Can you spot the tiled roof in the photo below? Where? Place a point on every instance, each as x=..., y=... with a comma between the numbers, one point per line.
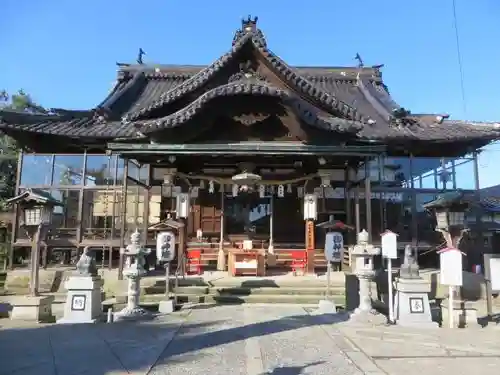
x=341, y=99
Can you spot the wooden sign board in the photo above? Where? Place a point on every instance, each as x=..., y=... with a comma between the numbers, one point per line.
x=310, y=235
x=334, y=246
x=492, y=271
x=389, y=245
x=450, y=260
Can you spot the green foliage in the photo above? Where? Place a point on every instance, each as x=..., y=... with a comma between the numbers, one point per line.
x=9, y=149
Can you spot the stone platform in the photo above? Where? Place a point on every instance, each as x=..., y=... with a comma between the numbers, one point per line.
x=244, y=340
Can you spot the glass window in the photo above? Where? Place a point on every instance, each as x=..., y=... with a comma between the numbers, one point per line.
x=100, y=170
x=426, y=222
x=65, y=218
x=139, y=173
x=135, y=204
x=120, y=172
x=68, y=170
x=397, y=215
x=464, y=177
x=427, y=173
x=36, y=170
x=395, y=172
x=98, y=212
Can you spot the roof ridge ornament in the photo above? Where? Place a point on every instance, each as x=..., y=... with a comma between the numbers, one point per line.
x=360, y=60
x=139, y=56
x=247, y=71
x=249, y=26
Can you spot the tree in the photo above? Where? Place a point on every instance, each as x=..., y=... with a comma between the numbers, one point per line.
x=9, y=149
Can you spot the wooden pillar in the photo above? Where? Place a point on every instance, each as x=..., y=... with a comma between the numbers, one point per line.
x=356, y=210
x=481, y=248
x=17, y=212
x=124, y=219
x=221, y=256
x=368, y=201
x=310, y=245
x=181, y=251
x=414, y=211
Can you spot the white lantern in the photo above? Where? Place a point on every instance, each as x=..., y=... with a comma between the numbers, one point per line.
x=36, y=215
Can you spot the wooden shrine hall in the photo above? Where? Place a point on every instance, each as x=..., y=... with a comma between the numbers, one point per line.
x=240, y=143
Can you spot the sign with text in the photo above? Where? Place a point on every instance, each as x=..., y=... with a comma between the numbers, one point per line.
x=389, y=245
x=334, y=246
x=165, y=246
x=450, y=266
x=310, y=235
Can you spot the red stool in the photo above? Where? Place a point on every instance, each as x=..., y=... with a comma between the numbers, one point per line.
x=299, y=261
x=193, y=266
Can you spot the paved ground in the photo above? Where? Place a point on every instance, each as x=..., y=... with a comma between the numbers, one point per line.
x=247, y=340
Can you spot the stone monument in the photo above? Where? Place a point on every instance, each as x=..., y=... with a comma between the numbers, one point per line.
x=411, y=305
x=84, y=298
x=135, y=261
x=362, y=259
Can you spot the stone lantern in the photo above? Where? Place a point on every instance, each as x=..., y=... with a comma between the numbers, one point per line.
x=449, y=209
x=134, y=271
x=36, y=208
x=362, y=255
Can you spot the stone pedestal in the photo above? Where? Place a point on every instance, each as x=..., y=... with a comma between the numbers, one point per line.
x=411, y=305
x=365, y=295
x=35, y=309
x=83, y=300
x=166, y=307
x=325, y=306
x=464, y=314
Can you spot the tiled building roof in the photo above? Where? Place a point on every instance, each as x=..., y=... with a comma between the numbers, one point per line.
x=147, y=99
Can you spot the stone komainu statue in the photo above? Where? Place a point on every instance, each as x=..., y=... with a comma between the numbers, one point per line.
x=86, y=266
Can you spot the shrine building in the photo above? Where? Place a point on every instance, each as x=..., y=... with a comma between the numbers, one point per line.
x=244, y=140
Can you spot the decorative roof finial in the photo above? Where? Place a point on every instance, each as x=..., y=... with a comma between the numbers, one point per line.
x=360, y=60
x=139, y=56
x=249, y=25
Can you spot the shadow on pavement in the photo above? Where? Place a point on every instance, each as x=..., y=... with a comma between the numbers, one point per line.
x=291, y=370
x=101, y=349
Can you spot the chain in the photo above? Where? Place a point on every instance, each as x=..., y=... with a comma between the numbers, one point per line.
x=106, y=206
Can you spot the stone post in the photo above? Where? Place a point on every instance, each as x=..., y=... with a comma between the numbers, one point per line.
x=411, y=306
x=135, y=254
x=84, y=298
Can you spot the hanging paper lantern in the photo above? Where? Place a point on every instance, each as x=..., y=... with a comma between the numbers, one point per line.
x=281, y=191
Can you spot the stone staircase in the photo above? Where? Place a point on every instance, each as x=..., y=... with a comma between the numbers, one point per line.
x=237, y=291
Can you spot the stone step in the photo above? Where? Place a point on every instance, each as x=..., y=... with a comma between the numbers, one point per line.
x=294, y=291
x=152, y=299
x=195, y=290
x=159, y=289
x=293, y=282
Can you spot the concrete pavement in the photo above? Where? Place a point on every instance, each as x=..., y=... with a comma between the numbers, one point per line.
x=247, y=340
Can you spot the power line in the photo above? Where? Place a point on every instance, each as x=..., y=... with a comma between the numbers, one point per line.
x=459, y=55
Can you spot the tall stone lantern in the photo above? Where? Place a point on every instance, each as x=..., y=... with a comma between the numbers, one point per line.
x=36, y=208
x=362, y=261
x=134, y=271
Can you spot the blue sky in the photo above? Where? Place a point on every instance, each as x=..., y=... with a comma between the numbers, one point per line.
x=63, y=52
